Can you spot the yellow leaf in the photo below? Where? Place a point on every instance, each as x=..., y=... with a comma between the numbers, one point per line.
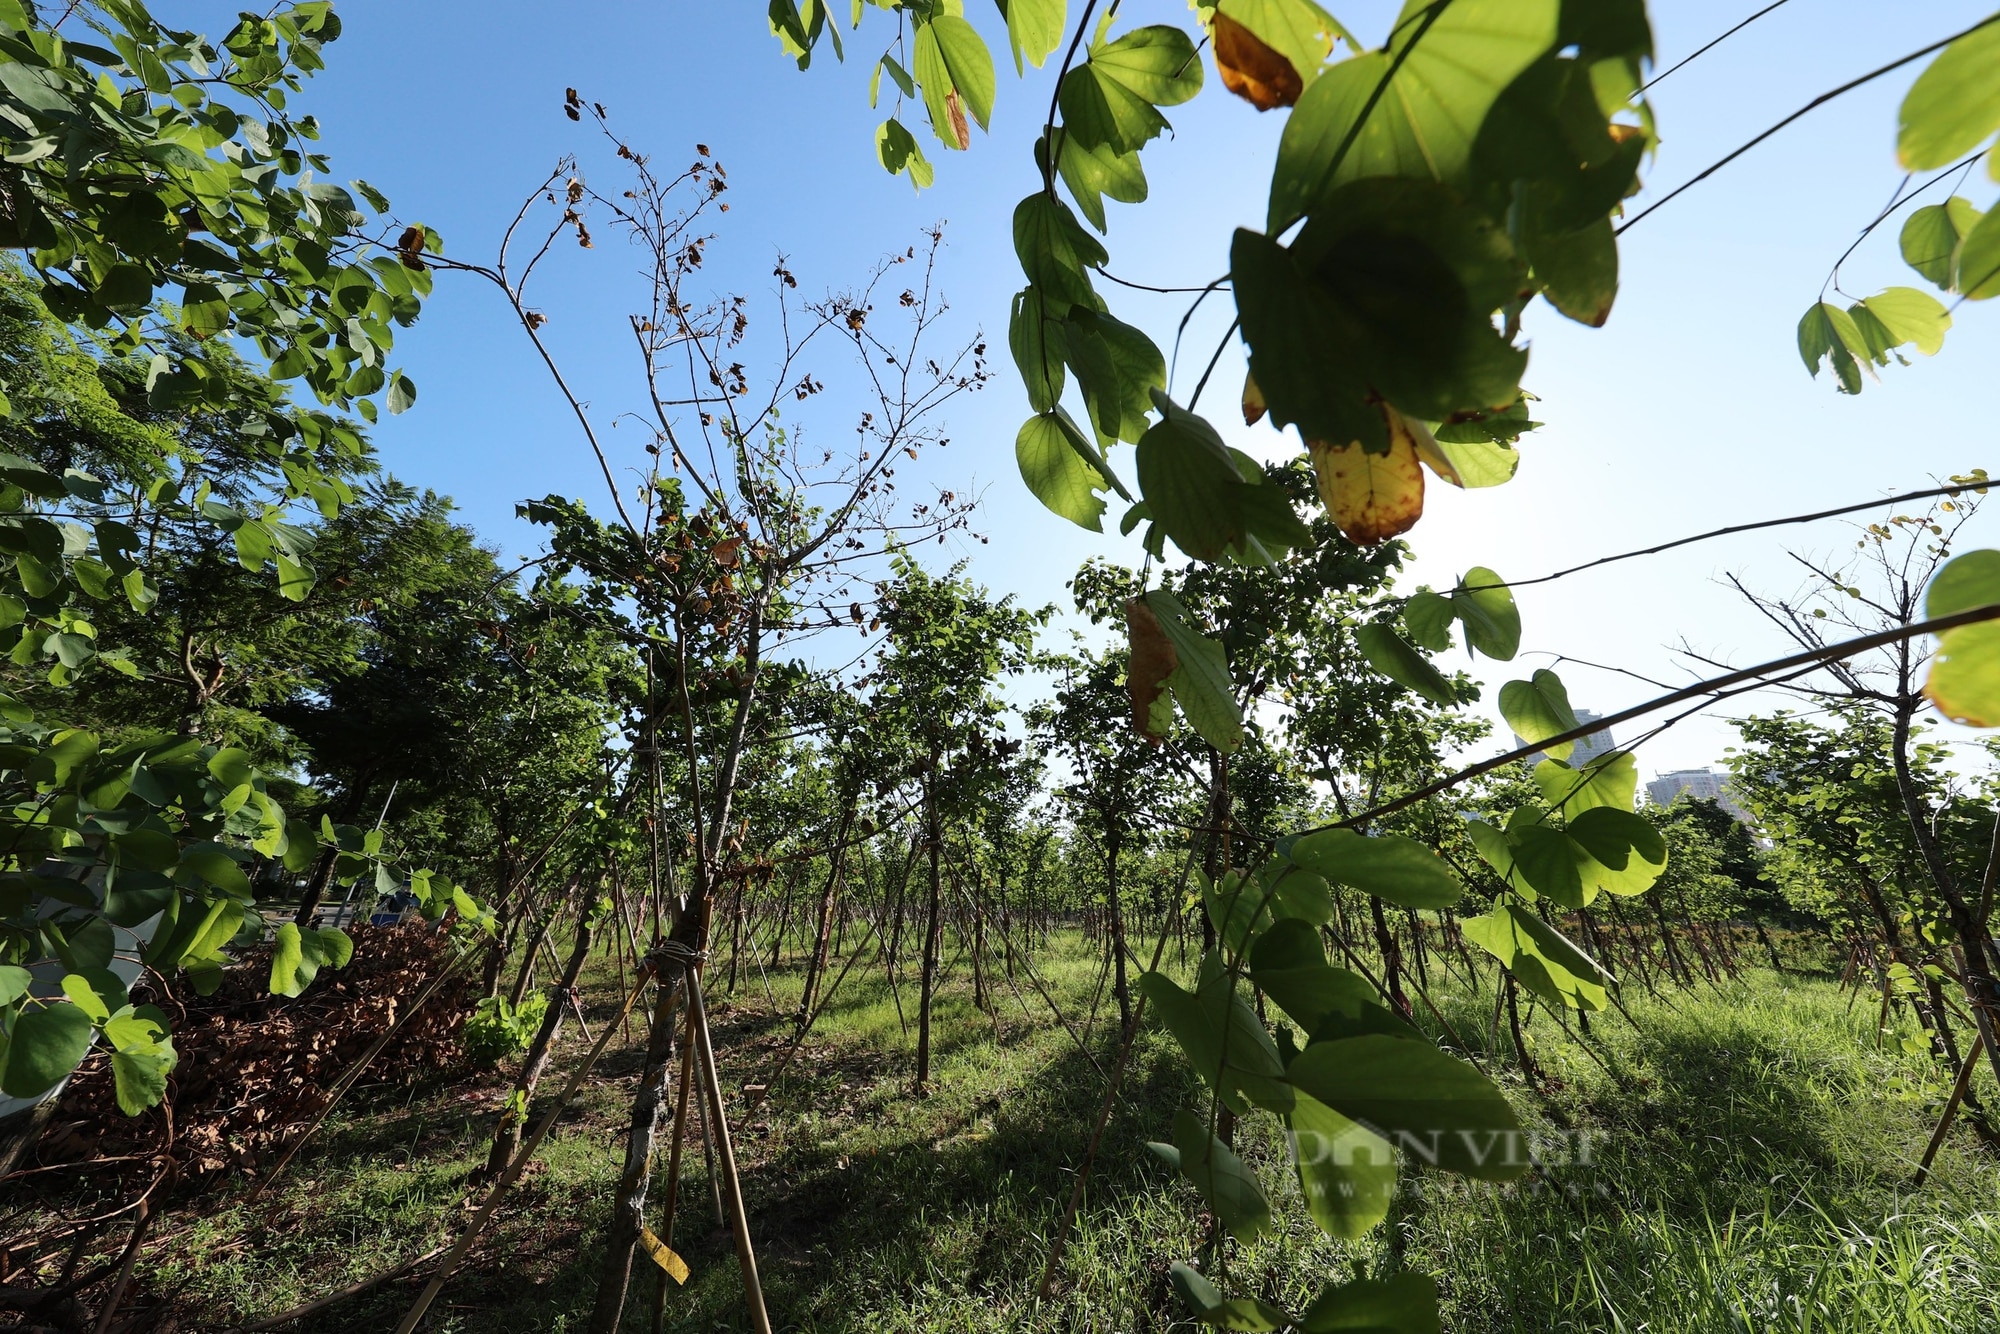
x=1964, y=682
x=1253, y=400
x=1373, y=497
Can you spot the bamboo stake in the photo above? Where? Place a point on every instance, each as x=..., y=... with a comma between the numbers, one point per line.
x=1950, y=1107
x=739, y=1223
x=521, y=1160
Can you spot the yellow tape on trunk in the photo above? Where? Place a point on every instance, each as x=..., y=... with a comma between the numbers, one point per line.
x=663, y=1255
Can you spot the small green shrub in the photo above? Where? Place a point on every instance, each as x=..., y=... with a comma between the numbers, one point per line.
x=496, y=1030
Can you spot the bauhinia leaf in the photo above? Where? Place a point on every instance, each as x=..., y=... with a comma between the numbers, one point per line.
x=1954, y=105
x=1403, y=1303
x=1063, y=469
x=1537, y=709
x=1346, y=1171
x=1212, y=1308
x=1544, y=960
x=1372, y=497
x=1389, y=866
x=1388, y=654
x=1430, y=1105
x=1964, y=680
x=1200, y=679
x=1461, y=58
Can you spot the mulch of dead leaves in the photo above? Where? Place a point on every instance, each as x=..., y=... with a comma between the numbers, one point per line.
x=255, y=1069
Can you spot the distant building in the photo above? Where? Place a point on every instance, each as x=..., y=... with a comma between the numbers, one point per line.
x=1702, y=784
x=1582, y=751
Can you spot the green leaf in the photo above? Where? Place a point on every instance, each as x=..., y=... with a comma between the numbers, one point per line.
x=1485, y=606
x=1954, y=105
x=1609, y=780
x=212, y=864
x=1964, y=681
x=1346, y=1171
x=1424, y=124
x=1090, y=173
x=1212, y=1308
x=1055, y=252
x=1117, y=370
x=1036, y=340
x=1111, y=99
x=1931, y=237
x=298, y=956
x=1063, y=469
x=1399, y=1304
x=1545, y=961
x=1828, y=333
x=955, y=72
x=402, y=393
x=1476, y=463
x=1035, y=28
x=1228, y=1185
x=1387, y=294
x=14, y=983
x=1577, y=271
x=1967, y=581
x=896, y=148
x=1550, y=861
x=1208, y=498
x=1428, y=618
x=1537, y=709
x=1388, y=654
x=1965, y=675
x=45, y=1044
x=142, y=1056
x=1222, y=1037
x=1979, y=259
x=1901, y=315
x=1200, y=682
x=1436, y=1108
x=1623, y=852
x=1288, y=964
x=1388, y=866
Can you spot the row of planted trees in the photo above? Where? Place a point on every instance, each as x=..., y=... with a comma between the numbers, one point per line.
x=729, y=718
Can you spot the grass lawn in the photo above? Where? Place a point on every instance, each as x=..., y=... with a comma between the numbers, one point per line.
x=1749, y=1156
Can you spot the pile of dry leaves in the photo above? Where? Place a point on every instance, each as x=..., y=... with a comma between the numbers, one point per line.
x=256, y=1068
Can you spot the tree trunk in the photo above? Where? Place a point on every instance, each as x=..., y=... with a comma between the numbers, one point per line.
x=507, y=1135
x=932, y=927
x=628, y=1209
x=1982, y=996
x=1119, y=986
x=816, y=964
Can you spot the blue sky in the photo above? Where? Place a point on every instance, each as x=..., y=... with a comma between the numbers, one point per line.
x=1690, y=410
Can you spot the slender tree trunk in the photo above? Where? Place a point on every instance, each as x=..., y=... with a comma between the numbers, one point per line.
x=1119, y=986
x=932, y=927
x=822, y=940
x=1392, y=960
x=1982, y=995
x=628, y=1209
x=507, y=1135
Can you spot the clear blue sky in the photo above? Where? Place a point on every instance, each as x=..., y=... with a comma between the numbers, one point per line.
x=1689, y=411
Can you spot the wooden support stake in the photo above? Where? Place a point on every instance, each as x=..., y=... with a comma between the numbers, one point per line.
x=732, y=1187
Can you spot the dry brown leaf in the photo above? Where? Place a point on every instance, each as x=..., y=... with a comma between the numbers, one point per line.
x=1153, y=661
x=725, y=552
x=1372, y=497
x=1252, y=70
x=961, y=133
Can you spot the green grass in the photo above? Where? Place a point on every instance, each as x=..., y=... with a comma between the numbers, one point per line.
x=1751, y=1153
